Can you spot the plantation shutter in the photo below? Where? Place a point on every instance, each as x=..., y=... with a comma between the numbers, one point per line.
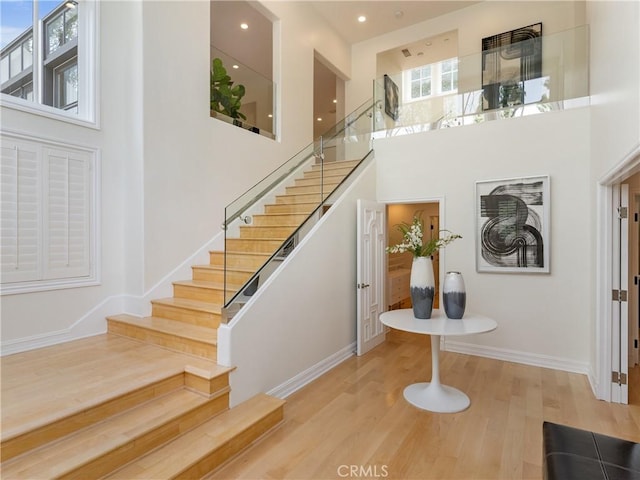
x=48, y=229
x=21, y=236
x=67, y=215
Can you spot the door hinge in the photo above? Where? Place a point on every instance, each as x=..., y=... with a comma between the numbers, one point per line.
x=619, y=378
x=363, y=285
x=619, y=295
x=623, y=212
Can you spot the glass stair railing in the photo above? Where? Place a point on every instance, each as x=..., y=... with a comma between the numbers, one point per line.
x=264, y=224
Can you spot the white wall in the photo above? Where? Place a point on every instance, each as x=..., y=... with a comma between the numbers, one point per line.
x=542, y=319
x=302, y=320
x=614, y=81
x=168, y=169
x=40, y=318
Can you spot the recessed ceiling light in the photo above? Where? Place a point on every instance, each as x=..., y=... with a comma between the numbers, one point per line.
x=335, y=101
x=362, y=19
x=235, y=66
x=244, y=26
x=270, y=116
x=319, y=119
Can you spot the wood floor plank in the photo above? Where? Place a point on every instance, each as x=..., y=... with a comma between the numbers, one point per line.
x=355, y=416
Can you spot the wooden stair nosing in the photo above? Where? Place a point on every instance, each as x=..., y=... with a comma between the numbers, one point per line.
x=187, y=304
x=207, y=446
x=68, y=422
x=171, y=334
x=98, y=449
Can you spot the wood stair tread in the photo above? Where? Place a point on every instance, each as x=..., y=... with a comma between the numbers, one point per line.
x=221, y=268
x=173, y=327
x=189, y=304
x=175, y=458
x=91, y=443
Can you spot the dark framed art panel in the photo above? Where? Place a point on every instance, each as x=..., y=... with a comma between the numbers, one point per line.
x=509, y=60
x=513, y=225
x=390, y=97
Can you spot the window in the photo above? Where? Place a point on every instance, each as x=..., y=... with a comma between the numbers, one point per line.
x=52, y=65
x=48, y=215
x=421, y=82
x=430, y=80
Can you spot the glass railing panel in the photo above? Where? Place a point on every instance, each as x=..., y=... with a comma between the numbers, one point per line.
x=486, y=93
x=256, y=106
x=305, y=183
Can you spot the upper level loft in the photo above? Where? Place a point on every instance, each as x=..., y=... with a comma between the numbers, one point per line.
x=517, y=73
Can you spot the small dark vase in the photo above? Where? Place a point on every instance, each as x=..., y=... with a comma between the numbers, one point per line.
x=454, y=295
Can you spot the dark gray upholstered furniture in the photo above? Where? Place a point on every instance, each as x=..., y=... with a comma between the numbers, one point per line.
x=573, y=454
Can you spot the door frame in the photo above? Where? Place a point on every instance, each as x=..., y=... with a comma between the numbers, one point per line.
x=601, y=378
x=442, y=223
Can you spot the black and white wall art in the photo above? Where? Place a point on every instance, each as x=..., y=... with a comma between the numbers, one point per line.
x=509, y=61
x=513, y=221
x=390, y=97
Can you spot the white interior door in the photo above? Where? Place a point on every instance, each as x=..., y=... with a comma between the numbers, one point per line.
x=620, y=305
x=371, y=266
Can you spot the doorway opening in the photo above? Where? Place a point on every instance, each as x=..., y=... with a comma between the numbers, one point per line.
x=328, y=100
x=399, y=264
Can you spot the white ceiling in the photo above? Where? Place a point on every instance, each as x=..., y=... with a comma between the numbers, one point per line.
x=382, y=16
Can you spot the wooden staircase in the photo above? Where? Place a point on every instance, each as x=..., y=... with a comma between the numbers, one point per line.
x=188, y=321
x=176, y=423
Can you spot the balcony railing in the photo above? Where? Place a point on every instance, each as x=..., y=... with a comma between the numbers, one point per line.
x=257, y=104
x=562, y=82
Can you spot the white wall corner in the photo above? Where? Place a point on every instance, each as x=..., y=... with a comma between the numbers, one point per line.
x=92, y=323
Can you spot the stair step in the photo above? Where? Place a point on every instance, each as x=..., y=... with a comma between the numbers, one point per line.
x=336, y=165
x=329, y=177
x=214, y=273
x=186, y=338
x=258, y=245
x=200, y=290
x=248, y=260
x=250, y=231
x=188, y=311
x=301, y=198
x=291, y=208
x=207, y=446
x=99, y=449
x=279, y=219
x=326, y=187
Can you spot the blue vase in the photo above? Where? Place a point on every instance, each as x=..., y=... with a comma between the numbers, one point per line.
x=454, y=295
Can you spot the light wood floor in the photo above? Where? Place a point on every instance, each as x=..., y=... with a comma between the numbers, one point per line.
x=44, y=385
x=355, y=419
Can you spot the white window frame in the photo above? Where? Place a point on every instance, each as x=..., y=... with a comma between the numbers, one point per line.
x=436, y=82
x=88, y=79
x=47, y=277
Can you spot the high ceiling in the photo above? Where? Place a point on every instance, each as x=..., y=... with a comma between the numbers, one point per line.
x=382, y=16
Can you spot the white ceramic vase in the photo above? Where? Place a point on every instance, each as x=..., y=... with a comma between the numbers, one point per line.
x=422, y=286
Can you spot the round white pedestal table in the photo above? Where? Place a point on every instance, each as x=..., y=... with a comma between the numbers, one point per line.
x=434, y=396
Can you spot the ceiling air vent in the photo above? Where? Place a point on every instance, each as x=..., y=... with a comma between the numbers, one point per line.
x=406, y=52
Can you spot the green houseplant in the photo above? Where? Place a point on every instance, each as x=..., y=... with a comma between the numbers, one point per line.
x=225, y=96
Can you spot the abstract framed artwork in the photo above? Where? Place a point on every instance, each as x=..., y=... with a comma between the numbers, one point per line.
x=509, y=60
x=513, y=225
x=390, y=97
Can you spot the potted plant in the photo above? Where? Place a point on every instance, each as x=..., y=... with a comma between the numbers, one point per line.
x=225, y=96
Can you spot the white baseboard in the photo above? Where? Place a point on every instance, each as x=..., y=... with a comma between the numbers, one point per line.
x=94, y=322
x=310, y=374
x=533, y=359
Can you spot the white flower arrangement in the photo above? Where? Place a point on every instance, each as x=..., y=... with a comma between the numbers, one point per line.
x=412, y=235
